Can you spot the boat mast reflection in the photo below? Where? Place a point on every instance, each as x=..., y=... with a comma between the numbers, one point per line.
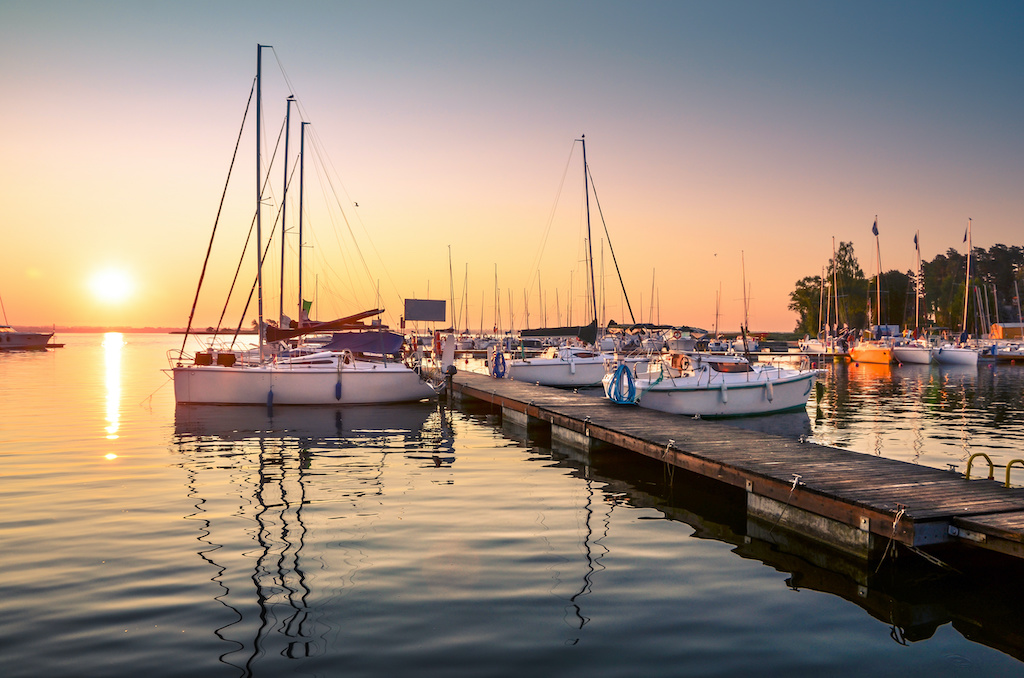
x=911, y=596
x=273, y=460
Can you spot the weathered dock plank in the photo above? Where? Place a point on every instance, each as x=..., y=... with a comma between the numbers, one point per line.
x=884, y=498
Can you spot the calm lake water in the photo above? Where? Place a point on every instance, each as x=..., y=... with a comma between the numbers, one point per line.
x=143, y=539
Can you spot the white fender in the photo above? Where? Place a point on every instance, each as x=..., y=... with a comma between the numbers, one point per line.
x=448, y=352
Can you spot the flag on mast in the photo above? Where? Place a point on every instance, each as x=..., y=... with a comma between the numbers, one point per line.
x=874, y=228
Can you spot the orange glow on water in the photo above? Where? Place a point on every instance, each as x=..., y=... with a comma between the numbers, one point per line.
x=112, y=344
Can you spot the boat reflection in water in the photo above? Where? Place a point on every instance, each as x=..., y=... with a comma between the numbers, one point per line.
x=935, y=415
x=323, y=527
x=256, y=537
x=976, y=594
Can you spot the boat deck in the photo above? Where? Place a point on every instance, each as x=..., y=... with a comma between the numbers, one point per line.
x=855, y=502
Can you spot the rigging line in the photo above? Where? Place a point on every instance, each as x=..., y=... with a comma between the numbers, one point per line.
x=263, y=258
x=245, y=248
x=370, y=278
x=216, y=221
x=344, y=216
x=351, y=285
x=551, y=216
x=610, y=248
x=284, y=73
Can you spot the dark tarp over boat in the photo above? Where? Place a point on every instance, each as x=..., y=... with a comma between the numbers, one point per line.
x=370, y=341
x=586, y=333
x=348, y=322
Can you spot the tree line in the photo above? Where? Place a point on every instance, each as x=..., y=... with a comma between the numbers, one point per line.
x=993, y=288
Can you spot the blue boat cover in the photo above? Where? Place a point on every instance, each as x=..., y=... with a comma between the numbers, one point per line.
x=366, y=342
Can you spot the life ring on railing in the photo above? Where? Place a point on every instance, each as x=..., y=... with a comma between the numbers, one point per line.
x=677, y=335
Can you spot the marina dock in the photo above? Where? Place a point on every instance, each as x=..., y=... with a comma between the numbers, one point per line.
x=856, y=503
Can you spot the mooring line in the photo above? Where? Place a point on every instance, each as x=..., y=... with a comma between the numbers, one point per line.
x=796, y=482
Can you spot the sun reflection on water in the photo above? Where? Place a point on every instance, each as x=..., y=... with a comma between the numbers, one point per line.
x=112, y=344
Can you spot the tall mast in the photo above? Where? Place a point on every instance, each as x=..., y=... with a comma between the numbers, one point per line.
x=451, y=287
x=302, y=168
x=1016, y=295
x=835, y=281
x=259, y=195
x=967, y=281
x=746, y=321
x=284, y=200
x=821, y=304
x=590, y=253
x=917, y=287
x=878, y=278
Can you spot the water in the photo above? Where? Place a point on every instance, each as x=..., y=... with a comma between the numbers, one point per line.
x=143, y=539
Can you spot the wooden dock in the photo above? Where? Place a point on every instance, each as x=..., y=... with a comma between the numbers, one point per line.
x=852, y=502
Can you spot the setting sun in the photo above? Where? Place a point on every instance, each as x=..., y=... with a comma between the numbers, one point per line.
x=111, y=286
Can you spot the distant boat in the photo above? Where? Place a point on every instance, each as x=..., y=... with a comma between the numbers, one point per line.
x=565, y=366
x=355, y=367
x=710, y=386
x=879, y=349
x=871, y=351
x=949, y=354
x=916, y=352
x=960, y=353
x=11, y=338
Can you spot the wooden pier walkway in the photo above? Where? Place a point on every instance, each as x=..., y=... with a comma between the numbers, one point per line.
x=854, y=502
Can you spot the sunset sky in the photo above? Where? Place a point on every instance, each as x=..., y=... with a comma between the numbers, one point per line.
x=717, y=133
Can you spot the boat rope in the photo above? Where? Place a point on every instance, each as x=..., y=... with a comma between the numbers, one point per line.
x=652, y=384
x=241, y=259
x=216, y=221
x=792, y=489
x=535, y=265
x=615, y=261
x=902, y=510
x=670, y=469
x=622, y=388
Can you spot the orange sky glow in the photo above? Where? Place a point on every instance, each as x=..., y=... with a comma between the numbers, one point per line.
x=725, y=140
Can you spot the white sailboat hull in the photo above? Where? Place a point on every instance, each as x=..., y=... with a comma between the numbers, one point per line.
x=730, y=397
x=956, y=355
x=558, y=372
x=362, y=383
x=915, y=355
x=12, y=339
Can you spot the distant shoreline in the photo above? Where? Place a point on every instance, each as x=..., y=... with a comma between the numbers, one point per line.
x=123, y=330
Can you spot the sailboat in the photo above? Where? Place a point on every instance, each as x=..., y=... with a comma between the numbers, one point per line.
x=877, y=350
x=11, y=338
x=707, y=385
x=361, y=367
x=566, y=366
x=960, y=353
x=917, y=351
